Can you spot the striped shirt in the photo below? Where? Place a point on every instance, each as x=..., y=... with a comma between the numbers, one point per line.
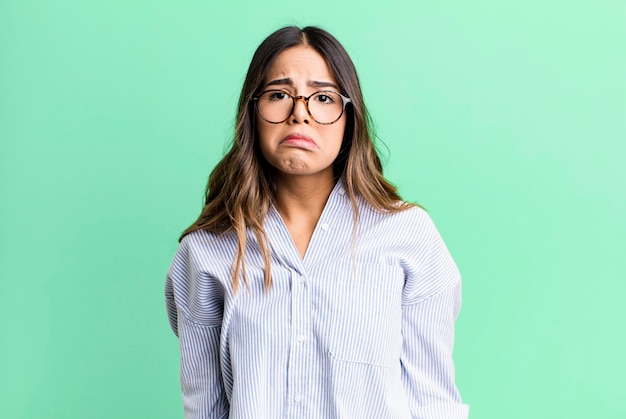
x=361, y=327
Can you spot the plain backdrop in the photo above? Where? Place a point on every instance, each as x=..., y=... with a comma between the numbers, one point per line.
x=505, y=119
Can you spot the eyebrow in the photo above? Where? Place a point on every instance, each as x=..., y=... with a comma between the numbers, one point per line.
x=310, y=83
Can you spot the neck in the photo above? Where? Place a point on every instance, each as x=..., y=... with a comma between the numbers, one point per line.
x=303, y=197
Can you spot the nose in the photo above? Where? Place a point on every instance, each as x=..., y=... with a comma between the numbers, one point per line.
x=300, y=112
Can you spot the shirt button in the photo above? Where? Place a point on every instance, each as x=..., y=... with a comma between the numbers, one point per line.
x=301, y=338
x=302, y=279
x=298, y=398
x=324, y=227
x=342, y=191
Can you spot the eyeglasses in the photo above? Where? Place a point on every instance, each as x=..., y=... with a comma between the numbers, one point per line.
x=325, y=107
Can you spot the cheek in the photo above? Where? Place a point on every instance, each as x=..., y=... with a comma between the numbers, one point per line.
x=264, y=137
x=338, y=133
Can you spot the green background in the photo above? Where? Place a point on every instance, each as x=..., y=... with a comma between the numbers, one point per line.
x=505, y=119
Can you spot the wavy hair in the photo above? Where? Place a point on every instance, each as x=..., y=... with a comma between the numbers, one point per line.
x=240, y=189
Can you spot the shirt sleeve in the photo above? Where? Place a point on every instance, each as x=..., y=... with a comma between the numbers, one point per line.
x=431, y=304
x=194, y=303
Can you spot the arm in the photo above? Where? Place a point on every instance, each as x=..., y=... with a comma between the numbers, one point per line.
x=200, y=375
x=427, y=366
x=431, y=304
x=194, y=307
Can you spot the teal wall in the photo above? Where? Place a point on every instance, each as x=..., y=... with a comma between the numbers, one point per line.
x=506, y=119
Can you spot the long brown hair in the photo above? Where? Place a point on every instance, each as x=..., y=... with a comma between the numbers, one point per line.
x=240, y=188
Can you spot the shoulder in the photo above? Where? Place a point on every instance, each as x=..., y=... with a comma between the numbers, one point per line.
x=419, y=226
x=203, y=240
x=418, y=221
x=202, y=255
x=196, y=276
x=202, y=248
x=414, y=213
x=413, y=221
x=429, y=265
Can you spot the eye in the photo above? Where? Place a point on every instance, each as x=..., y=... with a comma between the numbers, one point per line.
x=325, y=98
x=276, y=95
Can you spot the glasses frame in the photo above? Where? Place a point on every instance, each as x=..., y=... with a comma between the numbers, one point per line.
x=344, y=99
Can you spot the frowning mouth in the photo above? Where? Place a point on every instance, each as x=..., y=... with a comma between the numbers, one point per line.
x=300, y=141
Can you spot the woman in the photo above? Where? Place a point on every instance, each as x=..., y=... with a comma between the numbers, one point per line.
x=307, y=288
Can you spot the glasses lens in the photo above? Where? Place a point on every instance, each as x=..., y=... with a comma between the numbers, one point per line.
x=275, y=106
x=326, y=107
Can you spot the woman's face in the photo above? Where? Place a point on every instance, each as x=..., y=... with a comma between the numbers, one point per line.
x=300, y=146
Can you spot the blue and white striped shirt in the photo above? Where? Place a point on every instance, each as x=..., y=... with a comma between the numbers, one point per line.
x=360, y=328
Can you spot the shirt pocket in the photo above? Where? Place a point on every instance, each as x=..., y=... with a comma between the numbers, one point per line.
x=367, y=315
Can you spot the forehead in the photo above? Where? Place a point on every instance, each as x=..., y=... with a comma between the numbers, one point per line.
x=300, y=63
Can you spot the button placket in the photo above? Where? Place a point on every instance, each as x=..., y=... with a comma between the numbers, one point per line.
x=300, y=352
